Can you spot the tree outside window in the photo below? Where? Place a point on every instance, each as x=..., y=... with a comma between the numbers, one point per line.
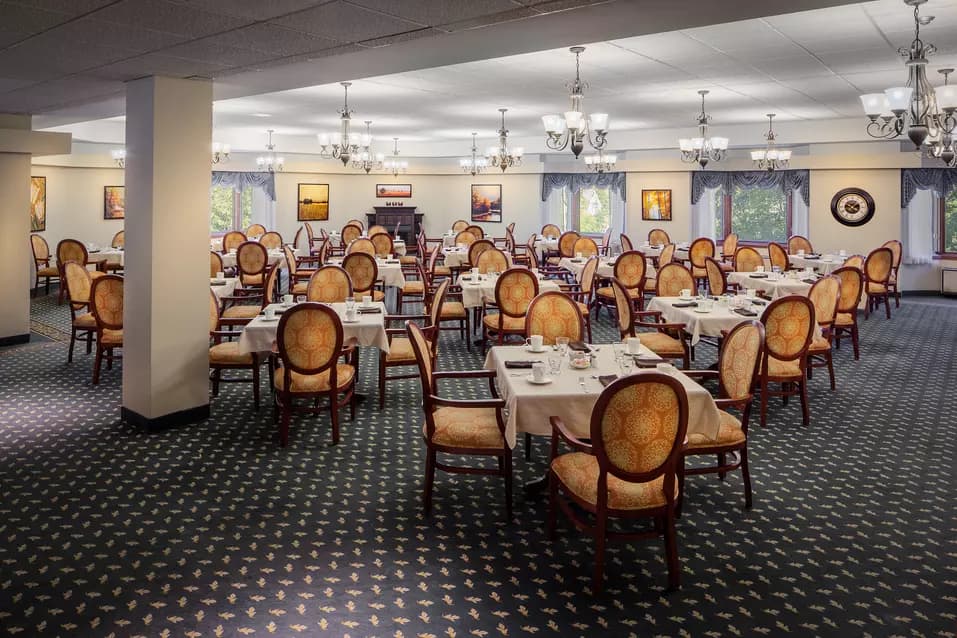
x=229, y=209
x=948, y=235
x=755, y=214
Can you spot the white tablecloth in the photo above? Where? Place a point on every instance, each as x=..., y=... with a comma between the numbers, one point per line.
x=821, y=265
x=530, y=406
x=455, y=257
x=606, y=268
x=474, y=294
x=113, y=255
x=782, y=287
x=681, y=251
x=369, y=330
x=224, y=290
x=275, y=256
x=389, y=274
x=398, y=246
x=546, y=244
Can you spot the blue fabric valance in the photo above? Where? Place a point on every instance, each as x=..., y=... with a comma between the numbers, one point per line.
x=787, y=181
x=577, y=181
x=939, y=180
x=239, y=180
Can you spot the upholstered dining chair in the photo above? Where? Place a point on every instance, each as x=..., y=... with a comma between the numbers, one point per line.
x=242, y=307
x=119, y=239
x=215, y=264
x=554, y=314
x=41, y=263
x=629, y=469
x=566, y=246
x=855, y=261
x=357, y=222
x=797, y=243
x=459, y=225
x=788, y=331
x=493, y=260
x=667, y=340
x=329, y=284
x=605, y=244
x=474, y=427
x=514, y=290
x=361, y=245
x=738, y=361
x=630, y=270
x=376, y=229
x=700, y=249
x=625, y=243
x=877, y=273
x=364, y=272
x=349, y=233
x=271, y=240
x=255, y=230
x=400, y=353
x=232, y=240
x=667, y=254
x=897, y=250
x=778, y=256
x=453, y=309
x=476, y=249
x=658, y=237
x=106, y=304
x=252, y=260
x=73, y=250
x=845, y=322
x=307, y=366
x=747, y=259
x=825, y=294
x=413, y=290
x=297, y=275
x=519, y=252
x=717, y=279
x=79, y=282
x=728, y=247
x=672, y=279
x=477, y=231
x=225, y=355
x=583, y=292
x=465, y=238
x=586, y=246
x=551, y=231
x=382, y=243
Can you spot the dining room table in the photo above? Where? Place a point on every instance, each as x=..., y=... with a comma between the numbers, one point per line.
x=368, y=329
x=274, y=256
x=606, y=267
x=774, y=285
x=476, y=293
x=824, y=264
x=571, y=394
x=224, y=287
x=390, y=271
x=654, y=250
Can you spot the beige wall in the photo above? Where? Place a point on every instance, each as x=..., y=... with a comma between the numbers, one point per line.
x=75, y=203
x=679, y=228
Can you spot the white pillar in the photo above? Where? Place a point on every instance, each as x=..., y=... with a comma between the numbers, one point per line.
x=166, y=294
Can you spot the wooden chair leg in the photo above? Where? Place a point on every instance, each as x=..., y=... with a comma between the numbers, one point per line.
x=855, y=342
x=552, y=517
x=256, y=383
x=96, y=364
x=89, y=341
x=830, y=368
x=429, y=481
x=69, y=354
x=745, y=476
x=722, y=459
x=334, y=410
x=805, y=410
x=216, y=375
x=671, y=552
x=887, y=305
x=598, y=577
x=764, y=404
x=382, y=379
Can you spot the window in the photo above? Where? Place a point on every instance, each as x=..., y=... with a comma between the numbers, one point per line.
x=590, y=210
x=755, y=214
x=229, y=209
x=948, y=223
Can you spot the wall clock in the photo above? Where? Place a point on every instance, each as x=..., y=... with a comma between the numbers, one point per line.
x=852, y=206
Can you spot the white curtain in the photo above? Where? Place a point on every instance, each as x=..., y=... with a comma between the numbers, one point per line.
x=799, y=214
x=553, y=208
x=617, y=205
x=264, y=209
x=917, y=227
x=703, y=215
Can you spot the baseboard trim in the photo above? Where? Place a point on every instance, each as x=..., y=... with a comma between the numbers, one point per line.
x=922, y=293
x=15, y=340
x=172, y=420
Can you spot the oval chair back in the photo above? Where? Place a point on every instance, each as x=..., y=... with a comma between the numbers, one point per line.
x=465, y=237
x=329, y=284
x=605, y=239
x=514, y=291
x=232, y=240
x=378, y=228
x=255, y=230
x=459, y=225
x=363, y=272
x=71, y=250
x=309, y=341
x=492, y=260
x=79, y=281
x=625, y=309
x=358, y=223
x=350, y=233
x=897, y=250
x=106, y=302
x=252, y=261
x=672, y=279
x=476, y=248
x=361, y=245
x=667, y=255
x=477, y=231
x=119, y=239
x=701, y=248
x=271, y=240
x=747, y=259
x=797, y=243
x=878, y=266
x=213, y=315
x=587, y=279
x=382, y=242
x=855, y=261
x=739, y=361
x=631, y=271
x=717, y=280
x=551, y=231
x=297, y=238
x=625, y=242
x=586, y=246
x=215, y=264
x=825, y=294
x=269, y=285
x=554, y=314
x=788, y=328
x=852, y=285
x=658, y=237
x=41, y=250
x=566, y=243
x=778, y=256
x=729, y=245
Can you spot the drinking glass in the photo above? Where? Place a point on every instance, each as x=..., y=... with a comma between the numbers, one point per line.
x=350, y=303
x=562, y=343
x=554, y=364
x=627, y=365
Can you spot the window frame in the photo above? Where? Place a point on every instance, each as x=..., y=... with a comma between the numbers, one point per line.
x=939, y=252
x=726, y=215
x=237, y=213
x=574, y=212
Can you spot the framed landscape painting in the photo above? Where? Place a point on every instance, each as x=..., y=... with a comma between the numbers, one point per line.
x=393, y=190
x=656, y=205
x=313, y=203
x=38, y=204
x=486, y=202
x=114, y=202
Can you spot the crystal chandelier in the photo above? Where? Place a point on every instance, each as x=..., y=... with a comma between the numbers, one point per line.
x=119, y=156
x=575, y=127
x=270, y=162
x=770, y=158
x=340, y=145
x=367, y=160
x=220, y=152
x=502, y=156
x=395, y=165
x=476, y=163
x=600, y=162
x=703, y=149
x=917, y=107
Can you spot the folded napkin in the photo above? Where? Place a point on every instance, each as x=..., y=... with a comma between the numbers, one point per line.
x=685, y=304
x=217, y=283
x=758, y=275
x=369, y=311
x=512, y=365
x=278, y=311
x=646, y=362
x=391, y=261
x=746, y=313
x=605, y=379
x=578, y=346
x=576, y=261
x=759, y=302
x=812, y=256
x=809, y=281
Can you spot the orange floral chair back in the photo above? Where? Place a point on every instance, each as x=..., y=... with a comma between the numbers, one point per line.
x=309, y=340
x=232, y=240
x=730, y=245
x=638, y=428
x=566, y=243
x=78, y=284
x=269, y=284
x=422, y=350
x=213, y=312
x=119, y=240
x=255, y=230
x=700, y=248
x=554, y=314
x=778, y=256
x=477, y=231
x=667, y=255
x=825, y=294
x=435, y=306
x=551, y=231
x=477, y=248
x=855, y=261
x=297, y=237
x=71, y=250
x=41, y=250
x=310, y=234
x=672, y=279
x=290, y=257
x=625, y=242
x=378, y=228
x=349, y=233
x=878, y=265
x=459, y=226
x=658, y=237
x=852, y=285
x=739, y=360
x=514, y=290
x=106, y=301
x=329, y=284
x=587, y=279
x=717, y=281
x=623, y=305
x=252, y=259
x=362, y=245
x=465, y=237
x=897, y=250
x=797, y=243
x=362, y=270
x=358, y=223
x=586, y=246
x=788, y=327
x=271, y=240
x=215, y=264
x=747, y=259
x=382, y=242
x=492, y=260
x=630, y=269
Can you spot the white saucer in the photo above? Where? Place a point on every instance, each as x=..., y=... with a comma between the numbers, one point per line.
x=350, y=321
x=539, y=351
x=544, y=381
x=685, y=298
x=268, y=320
x=700, y=311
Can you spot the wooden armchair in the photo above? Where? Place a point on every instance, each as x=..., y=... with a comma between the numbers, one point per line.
x=41, y=263
x=225, y=355
x=106, y=304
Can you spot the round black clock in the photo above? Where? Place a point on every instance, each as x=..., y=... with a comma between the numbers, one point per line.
x=852, y=206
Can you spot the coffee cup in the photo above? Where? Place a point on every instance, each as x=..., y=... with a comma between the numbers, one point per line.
x=287, y=300
x=578, y=255
x=759, y=269
x=366, y=301
x=270, y=313
x=842, y=253
x=665, y=368
x=350, y=314
x=220, y=274
x=538, y=372
x=800, y=252
x=535, y=343
x=633, y=344
x=686, y=293
x=475, y=272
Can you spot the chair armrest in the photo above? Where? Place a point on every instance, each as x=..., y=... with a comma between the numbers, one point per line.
x=648, y=313
x=559, y=431
x=468, y=403
x=389, y=318
x=709, y=374
x=661, y=327
x=733, y=403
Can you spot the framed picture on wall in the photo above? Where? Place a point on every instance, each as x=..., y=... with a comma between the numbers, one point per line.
x=114, y=202
x=313, y=203
x=38, y=204
x=486, y=202
x=393, y=190
x=656, y=205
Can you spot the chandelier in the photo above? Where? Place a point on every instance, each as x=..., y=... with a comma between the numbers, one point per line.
x=917, y=107
x=474, y=164
x=770, y=158
x=502, y=156
x=703, y=149
x=340, y=145
x=575, y=127
x=367, y=160
x=119, y=156
x=270, y=162
x=941, y=145
x=220, y=152
x=600, y=162
x=395, y=165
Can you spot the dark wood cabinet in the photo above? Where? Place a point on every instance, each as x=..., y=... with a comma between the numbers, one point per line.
x=409, y=221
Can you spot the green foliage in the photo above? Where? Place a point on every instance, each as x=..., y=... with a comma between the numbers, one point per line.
x=594, y=210
x=759, y=214
x=949, y=240
x=223, y=215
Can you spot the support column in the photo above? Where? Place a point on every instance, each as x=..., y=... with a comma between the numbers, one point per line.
x=166, y=294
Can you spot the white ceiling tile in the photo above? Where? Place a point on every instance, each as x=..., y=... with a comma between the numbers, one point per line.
x=345, y=22
x=750, y=37
x=254, y=9
x=429, y=13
